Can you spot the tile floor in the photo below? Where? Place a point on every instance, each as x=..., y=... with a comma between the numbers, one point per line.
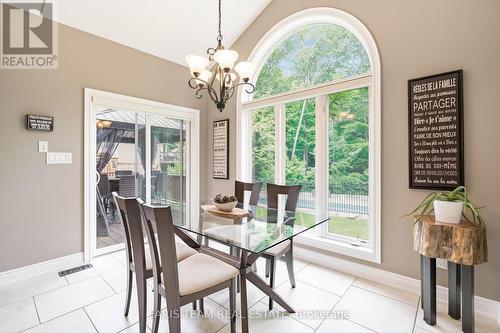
x=326, y=302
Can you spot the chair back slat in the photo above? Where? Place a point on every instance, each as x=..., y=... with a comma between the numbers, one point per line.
x=241, y=187
x=152, y=240
x=165, y=256
x=291, y=191
x=130, y=216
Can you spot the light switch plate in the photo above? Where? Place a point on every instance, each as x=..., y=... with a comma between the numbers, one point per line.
x=442, y=263
x=59, y=158
x=43, y=146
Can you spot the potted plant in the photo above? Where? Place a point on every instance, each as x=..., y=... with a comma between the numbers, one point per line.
x=449, y=207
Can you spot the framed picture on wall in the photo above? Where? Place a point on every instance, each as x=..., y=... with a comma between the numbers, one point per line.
x=221, y=149
x=436, y=131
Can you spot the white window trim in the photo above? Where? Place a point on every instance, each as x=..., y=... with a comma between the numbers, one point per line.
x=261, y=52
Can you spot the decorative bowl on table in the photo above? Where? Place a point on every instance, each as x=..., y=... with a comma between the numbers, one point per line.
x=225, y=203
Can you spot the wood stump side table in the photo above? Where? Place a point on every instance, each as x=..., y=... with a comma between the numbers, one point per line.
x=463, y=245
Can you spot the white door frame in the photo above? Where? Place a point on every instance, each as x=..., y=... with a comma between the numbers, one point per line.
x=141, y=105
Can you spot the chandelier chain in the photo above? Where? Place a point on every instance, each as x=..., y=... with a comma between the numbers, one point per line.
x=219, y=37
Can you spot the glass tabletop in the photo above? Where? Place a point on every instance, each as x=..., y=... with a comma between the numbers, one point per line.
x=252, y=228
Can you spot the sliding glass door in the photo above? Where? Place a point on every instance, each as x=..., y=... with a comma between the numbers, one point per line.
x=138, y=154
x=168, y=165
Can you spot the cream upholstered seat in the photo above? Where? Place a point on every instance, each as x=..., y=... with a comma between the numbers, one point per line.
x=277, y=249
x=182, y=249
x=199, y=265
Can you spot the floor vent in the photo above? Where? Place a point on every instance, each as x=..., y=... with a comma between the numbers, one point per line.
x=74, y=270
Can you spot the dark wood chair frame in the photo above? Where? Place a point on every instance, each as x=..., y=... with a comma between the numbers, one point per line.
x=292, y=193
x=239, y=193
x=165, y=257
x=129, y=214
x=241, y=187
x=130, y=217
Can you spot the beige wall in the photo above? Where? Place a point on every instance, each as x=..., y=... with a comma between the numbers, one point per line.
x=42, y=205
x=416, y=38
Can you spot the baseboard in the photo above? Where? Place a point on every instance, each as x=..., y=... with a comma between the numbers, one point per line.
x=483, y=306
x=45, y=267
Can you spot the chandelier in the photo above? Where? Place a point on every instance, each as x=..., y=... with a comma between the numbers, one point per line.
x=219, y=80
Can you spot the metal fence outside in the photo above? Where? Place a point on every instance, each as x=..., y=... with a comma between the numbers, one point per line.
x=345, y=198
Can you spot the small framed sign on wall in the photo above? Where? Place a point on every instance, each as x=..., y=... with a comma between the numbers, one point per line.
x=39, y=123
x=435, y=128
x=221, y=149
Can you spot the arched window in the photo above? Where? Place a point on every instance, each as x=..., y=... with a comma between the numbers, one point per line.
x=315, y=54
x=314, y=120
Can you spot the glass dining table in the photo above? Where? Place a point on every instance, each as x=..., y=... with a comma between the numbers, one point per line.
x=248, y=230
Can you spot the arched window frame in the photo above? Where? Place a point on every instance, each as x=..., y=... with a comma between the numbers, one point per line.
x=372, y=80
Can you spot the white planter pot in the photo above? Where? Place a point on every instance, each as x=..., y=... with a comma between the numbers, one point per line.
x=448, y=211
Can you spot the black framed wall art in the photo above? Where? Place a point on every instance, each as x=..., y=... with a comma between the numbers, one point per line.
x=435, y=128
x=221, y=149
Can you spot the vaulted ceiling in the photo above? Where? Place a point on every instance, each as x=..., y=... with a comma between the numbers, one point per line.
x=165, y=28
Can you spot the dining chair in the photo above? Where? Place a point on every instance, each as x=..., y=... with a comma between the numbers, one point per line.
x=127, y=186
x=138, y=261
x=182, y=282
x=284, y=248
x=241, y=187
x=239, y=193
x=104, y=190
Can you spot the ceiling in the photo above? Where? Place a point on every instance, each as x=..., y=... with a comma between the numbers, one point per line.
x=164, y=28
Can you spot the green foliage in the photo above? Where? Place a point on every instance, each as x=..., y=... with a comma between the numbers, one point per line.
x=316, y=54
x=263, y=145
x=348, y=141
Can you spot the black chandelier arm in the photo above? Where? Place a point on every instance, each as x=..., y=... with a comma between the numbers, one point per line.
x=230, y=91
x=198, y=93
x=213, y=95
x=210, y=52
x=194, y=83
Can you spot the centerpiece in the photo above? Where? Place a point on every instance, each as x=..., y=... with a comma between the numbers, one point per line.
x=225, y=203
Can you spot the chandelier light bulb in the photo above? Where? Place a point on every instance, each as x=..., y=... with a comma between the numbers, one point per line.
x=205, y=75
x=245, y=70
x=226, y=59
x=196, y=64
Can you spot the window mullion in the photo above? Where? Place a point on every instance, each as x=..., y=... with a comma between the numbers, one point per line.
x=280, y=143
x=321, y=169
x=148, y=158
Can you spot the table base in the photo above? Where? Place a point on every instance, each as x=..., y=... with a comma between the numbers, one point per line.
x=244, y=264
